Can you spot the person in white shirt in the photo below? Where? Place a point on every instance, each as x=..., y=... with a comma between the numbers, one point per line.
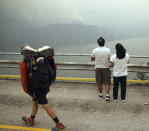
x=101, y=56
x=119, y=63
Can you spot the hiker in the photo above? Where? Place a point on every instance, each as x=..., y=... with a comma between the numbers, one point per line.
x=36, y=84
x=119, y=62
x=101, y=56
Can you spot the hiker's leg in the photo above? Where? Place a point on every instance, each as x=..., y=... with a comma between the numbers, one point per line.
x=49, y=110
x=30, y=120
x=52, y=114
x=100, y=89
x=34, y=108
x=106, y=75
x=98, y=80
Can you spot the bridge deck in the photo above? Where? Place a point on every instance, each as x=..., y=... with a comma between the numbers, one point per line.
x=78, y=107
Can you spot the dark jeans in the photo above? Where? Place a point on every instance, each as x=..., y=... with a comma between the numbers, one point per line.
x=122, y=80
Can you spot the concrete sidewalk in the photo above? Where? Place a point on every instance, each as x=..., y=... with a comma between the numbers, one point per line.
x=78, y=107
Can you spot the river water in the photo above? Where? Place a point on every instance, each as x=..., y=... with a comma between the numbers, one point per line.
x=136, y=46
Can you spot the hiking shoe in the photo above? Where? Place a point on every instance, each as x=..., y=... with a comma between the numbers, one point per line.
x=107, y=98
x=59, y=126
x=100, y=97
x=28, y=121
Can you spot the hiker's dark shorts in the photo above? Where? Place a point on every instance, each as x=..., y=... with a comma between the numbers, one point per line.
x=103, y=76
x=39, y=96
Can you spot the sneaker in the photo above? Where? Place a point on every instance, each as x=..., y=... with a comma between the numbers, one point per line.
x=146, y=103
x=107, y=98
x=100, y=97
x=59, y=126
x=28, y=121
x=115, y=100
x=123, y=100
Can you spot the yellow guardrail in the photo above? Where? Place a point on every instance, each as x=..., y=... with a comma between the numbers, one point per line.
x=76, y=79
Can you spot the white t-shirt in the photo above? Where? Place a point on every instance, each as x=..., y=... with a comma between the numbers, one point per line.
x=102, y=57
x=120, y=65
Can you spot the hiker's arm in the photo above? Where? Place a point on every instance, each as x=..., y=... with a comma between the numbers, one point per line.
x=92, y=58
x=93, y=55
x=111, y=64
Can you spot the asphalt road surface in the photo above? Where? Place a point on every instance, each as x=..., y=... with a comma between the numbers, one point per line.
x=78, y=107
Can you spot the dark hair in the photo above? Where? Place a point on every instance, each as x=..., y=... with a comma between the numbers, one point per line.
x=101, y=41
x=120, y=51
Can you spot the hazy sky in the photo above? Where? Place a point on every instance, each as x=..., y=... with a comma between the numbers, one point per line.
x=101, y=12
